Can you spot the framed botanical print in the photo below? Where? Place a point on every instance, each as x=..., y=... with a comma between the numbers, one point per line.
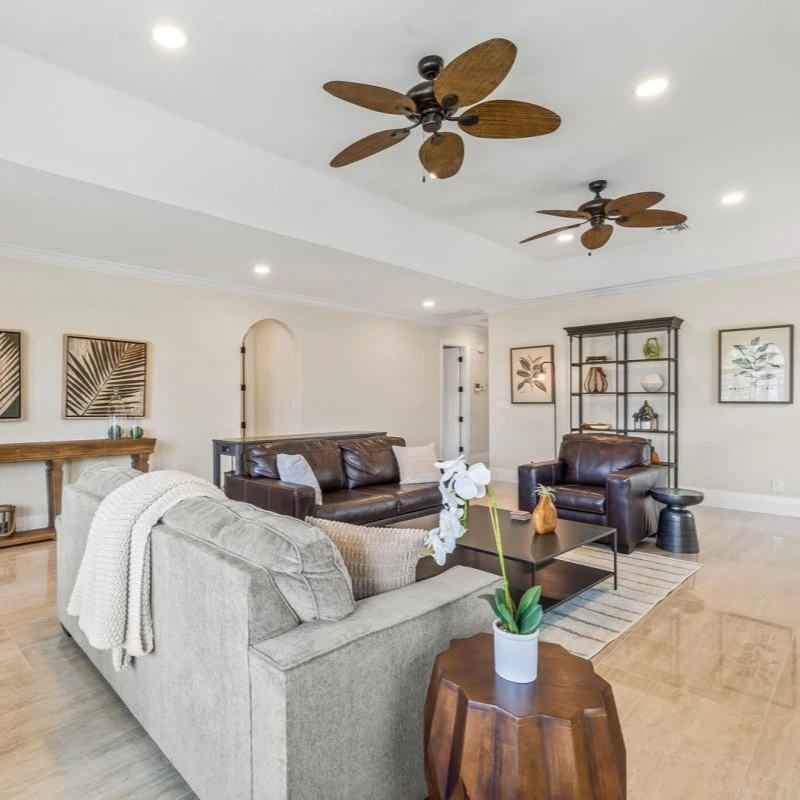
x=98, y=370
x=533, y=374
x=755, y=365
x=10, y=375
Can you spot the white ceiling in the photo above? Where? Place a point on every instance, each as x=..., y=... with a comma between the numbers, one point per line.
x=253, y=71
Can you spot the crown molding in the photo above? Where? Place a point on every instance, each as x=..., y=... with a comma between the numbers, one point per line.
x=709, y=276
x=209, y=284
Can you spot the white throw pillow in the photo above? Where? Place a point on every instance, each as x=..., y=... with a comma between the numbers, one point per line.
x=295, y=469
x=417, y=464
x=378, y=559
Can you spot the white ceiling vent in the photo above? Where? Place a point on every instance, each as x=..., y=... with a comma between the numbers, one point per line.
x=679, y=228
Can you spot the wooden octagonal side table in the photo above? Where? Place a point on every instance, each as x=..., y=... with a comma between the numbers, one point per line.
x=556, y=739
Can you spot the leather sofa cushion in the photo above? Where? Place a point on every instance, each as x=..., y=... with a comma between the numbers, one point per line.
x=411, y=496
x=588, y=458
x=323, y=456
x=370, y=462
x=350, y=505
x=581, y=498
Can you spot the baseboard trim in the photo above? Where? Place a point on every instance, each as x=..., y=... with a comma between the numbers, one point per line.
x=758, y=503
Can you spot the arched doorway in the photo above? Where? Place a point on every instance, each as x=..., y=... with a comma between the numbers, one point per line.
x=271, y=380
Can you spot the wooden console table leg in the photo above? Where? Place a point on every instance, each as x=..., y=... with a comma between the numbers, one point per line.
x=54, y=470
x=141, y=461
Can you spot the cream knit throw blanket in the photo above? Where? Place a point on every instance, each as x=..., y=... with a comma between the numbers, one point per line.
x=111, y=596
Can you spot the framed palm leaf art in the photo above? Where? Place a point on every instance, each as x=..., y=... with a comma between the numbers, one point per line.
x=97, y=370
x=10, y=375
x=532, y=374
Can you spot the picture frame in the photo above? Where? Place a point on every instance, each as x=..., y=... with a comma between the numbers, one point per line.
x=756, y=365
x=533, y=375
x=97, y=369
x=10, y=376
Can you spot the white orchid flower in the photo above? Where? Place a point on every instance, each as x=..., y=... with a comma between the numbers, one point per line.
x=450, y=468
x=442, y=540
x=438, y=546
x=472, y=483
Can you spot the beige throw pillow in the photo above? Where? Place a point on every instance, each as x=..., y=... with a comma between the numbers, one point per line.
x=378, y=559
x=416, y=464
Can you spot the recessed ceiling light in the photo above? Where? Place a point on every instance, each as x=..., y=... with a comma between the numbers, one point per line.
x=565, y=237
x=651, y=87
x=731, y=198
x=428, y=303
x=169, y=36
x=261, y=269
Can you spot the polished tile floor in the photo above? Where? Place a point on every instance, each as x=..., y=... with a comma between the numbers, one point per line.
x=707, y=685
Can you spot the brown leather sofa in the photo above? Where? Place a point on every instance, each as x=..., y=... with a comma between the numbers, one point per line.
x=359, y=478
x=602, y=479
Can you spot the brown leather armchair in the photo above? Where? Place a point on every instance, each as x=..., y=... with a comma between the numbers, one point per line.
x=602, y=479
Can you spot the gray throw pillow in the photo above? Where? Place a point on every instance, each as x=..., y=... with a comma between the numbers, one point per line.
x=378, y=559
x=295, y=469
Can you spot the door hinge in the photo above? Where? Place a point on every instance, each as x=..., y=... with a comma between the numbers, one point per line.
x=460, y=449
x=243, y=425
x=461, y=359
x=242, y=350
x=461, y=419
x=460, y=388
x=244, y=388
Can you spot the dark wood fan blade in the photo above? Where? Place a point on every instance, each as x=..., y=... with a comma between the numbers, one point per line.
x=632, y=204
x=550, y=233
x=654, y=218
x=442, y=154
x=475, y=73
x=373, y=97
x=508, y=119
x=596, y=237
x=571, y=214
x=368, y=146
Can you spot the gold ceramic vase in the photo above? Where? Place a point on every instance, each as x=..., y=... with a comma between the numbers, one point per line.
x=544, y=515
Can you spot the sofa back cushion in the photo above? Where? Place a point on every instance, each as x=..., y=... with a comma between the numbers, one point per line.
x=370, y=462
x=323, y=456
x=589, y=457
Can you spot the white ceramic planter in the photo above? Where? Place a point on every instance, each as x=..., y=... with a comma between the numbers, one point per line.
x=652, y=382
x=516, y=658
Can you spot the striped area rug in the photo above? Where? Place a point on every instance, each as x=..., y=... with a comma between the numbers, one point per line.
x=585, y=624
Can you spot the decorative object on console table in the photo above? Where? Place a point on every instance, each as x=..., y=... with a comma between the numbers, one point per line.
x=8, y=520
x=558, y=738
x=652, y=382
x=117, y=417
x=756, y=365
x=96, y=368
x=545, y=516
x=10, y=375
x=532, y=374
x=651, y=348
x=54, y=454
x=596, y=381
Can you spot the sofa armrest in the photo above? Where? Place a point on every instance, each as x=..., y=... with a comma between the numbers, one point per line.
x=548, y=473
x=290, y=499
x=343, y=694
x=630, y=509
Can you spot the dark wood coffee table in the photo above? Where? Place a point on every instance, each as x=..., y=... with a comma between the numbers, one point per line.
x=531, y=558
x=558, y=738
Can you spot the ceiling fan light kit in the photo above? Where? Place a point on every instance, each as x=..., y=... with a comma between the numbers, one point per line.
x=440, y=99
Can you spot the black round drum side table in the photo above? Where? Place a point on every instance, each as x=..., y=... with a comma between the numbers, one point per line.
x=677, y=531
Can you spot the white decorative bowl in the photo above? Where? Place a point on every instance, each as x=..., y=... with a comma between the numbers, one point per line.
x=652, y=382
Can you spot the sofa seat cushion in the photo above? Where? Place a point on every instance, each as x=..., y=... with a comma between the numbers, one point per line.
x=411, y=496
x=354, y=505
x=578, y=497
x=370, y=462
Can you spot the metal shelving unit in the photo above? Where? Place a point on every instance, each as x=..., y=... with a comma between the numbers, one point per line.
x=622, y=343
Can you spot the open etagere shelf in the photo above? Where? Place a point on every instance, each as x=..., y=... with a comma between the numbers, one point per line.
x=622, y=343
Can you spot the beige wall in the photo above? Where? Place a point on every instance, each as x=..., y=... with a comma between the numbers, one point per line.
x=358, y=370
x=726, y=448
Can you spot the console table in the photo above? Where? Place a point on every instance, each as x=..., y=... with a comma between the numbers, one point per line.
x=236, y=447
x=54, y=454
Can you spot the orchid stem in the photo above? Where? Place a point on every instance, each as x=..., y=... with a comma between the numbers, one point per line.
x=499, y=542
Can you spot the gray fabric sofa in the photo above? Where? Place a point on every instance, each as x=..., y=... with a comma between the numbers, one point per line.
x=267, y=681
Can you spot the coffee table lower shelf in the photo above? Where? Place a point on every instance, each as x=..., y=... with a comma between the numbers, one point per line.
x=562, y=580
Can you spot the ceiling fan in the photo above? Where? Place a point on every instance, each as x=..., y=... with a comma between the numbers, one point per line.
x=446, y=89
x=630, y=211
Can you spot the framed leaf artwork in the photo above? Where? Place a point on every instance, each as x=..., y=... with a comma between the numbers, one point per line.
x=756, y=365
x=533, y=374
x=98, y=370
x=10, y=375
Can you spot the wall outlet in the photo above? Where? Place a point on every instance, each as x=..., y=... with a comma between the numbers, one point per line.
x=777, y=485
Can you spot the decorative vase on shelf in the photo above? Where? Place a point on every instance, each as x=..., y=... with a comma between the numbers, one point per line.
x=8, y=520
x=117, y=416
x=137, y=432
x=651, y=348
x=516, y=656
x=652, y=382
x=596, y=381
x=545, y=515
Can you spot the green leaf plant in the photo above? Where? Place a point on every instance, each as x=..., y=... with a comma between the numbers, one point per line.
x=526, y=616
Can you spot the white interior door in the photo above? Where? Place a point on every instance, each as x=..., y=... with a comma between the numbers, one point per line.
x=451, y=402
